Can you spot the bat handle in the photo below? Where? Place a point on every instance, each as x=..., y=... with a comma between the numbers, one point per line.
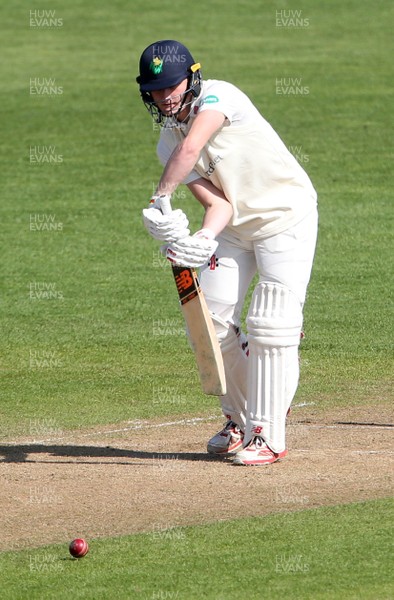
x=165, y=205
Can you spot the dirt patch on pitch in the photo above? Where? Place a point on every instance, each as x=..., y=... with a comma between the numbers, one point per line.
x=145, y=477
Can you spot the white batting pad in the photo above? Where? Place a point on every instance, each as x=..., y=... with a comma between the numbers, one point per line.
x=274, y=327
x=233, y=346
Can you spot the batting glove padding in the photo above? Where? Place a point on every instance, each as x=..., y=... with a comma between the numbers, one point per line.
x=166, y=228
x=192, y=251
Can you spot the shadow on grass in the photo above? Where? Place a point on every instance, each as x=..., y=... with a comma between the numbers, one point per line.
x=21, y=454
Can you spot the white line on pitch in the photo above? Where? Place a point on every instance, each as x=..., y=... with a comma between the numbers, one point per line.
x=137, y=425
x=385, y=452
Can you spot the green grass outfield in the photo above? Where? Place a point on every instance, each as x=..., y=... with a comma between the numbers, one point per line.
x=107, y=345
x=320, y=554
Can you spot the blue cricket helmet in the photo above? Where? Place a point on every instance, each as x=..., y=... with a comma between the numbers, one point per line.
x=165, y=64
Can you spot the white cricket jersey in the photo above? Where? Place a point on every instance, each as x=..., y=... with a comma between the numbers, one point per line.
x=246, y=159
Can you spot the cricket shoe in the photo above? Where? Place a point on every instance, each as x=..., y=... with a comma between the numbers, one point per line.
x=256, y=452
x=227, y=441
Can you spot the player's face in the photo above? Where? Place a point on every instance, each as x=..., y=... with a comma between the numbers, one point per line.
x=169, y=100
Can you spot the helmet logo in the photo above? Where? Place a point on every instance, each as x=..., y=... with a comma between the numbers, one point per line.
x=156, y=66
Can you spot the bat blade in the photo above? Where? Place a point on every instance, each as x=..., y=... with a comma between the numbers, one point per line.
x=201, y=330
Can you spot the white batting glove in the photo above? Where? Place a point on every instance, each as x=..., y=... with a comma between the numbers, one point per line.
x=192, y=251
x=165, y=228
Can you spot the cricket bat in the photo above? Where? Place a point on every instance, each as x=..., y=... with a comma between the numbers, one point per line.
x=201, y=330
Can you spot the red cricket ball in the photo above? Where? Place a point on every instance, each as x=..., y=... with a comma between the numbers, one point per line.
x=79, y=548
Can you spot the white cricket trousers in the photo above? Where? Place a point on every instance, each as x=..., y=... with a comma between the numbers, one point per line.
x=285, y=259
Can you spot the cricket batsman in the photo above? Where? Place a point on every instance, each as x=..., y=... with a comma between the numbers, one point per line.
x=260, y=216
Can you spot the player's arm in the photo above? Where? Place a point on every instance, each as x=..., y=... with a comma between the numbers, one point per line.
x=218, y=210
x=187, y=153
